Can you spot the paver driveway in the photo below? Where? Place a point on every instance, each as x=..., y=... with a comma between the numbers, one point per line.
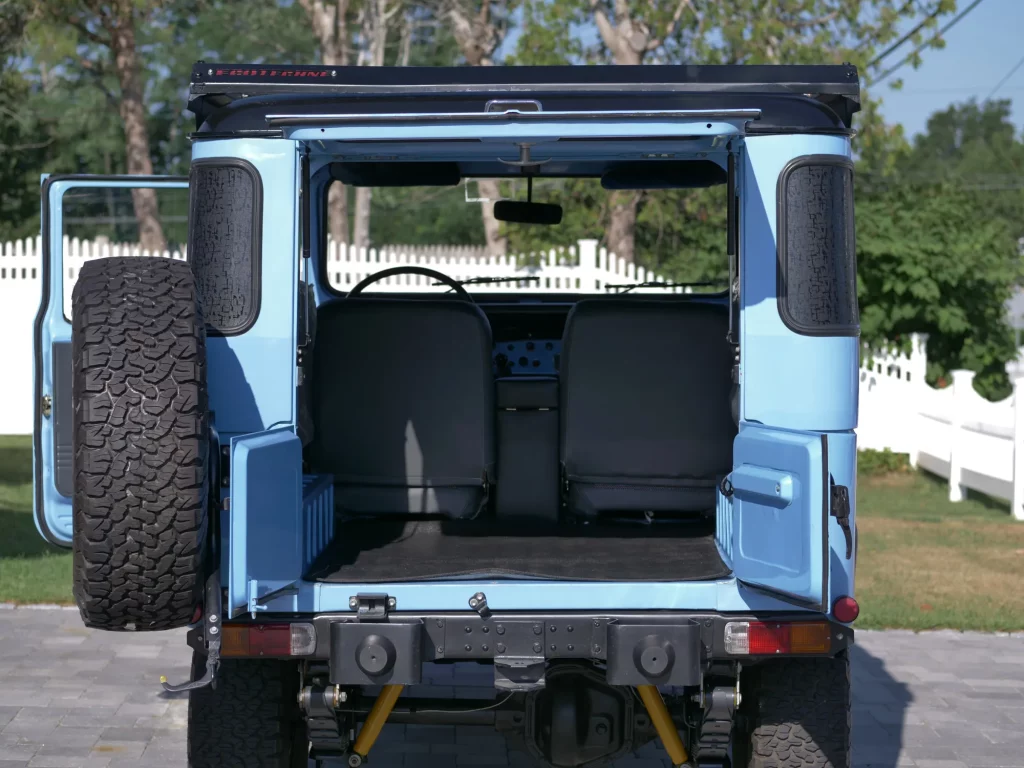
x=72, y=697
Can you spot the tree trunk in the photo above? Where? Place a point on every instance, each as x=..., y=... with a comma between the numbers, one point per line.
x=337, y=212
x=497, y=244
x=478, y=38
x=133, y=117
x=629, y=40
x=377, y=15
x=330, y=25
x=621, y=232
x=361, y=228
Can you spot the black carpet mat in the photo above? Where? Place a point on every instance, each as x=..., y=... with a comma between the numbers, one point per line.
x=395, y=551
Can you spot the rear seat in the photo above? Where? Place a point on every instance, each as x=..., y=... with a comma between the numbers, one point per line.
x=646, y=417
x=403, y=400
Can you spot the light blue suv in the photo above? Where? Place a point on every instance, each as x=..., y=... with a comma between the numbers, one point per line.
x=636, y=507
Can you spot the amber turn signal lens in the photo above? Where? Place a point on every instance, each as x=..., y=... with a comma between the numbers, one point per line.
x=234, y=640
x=810, y=638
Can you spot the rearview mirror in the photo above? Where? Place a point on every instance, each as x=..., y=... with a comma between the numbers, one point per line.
x=519, y=212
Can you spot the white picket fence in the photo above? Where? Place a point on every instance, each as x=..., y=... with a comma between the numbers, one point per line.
x=952, y=432
x=583, y=268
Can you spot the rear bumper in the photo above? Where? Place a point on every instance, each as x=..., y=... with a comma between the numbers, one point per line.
x=661, y=648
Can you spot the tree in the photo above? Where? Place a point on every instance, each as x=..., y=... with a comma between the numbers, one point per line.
x=331, y=27
x=714, y=32
x=376, y=21
x=106, y=43
x=928, y=263
x=479, y=27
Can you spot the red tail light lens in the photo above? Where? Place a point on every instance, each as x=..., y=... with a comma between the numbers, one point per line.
x=846, y=610
x=752, y=638
x=280, y=640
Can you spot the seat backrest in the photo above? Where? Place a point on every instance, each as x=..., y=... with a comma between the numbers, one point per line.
x=403, y=403
x=645, y=404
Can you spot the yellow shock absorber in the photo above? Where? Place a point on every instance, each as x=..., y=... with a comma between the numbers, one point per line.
x=375, y=720
x=667, y=731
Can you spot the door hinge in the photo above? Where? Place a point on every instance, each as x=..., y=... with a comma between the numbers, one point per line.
x=373, y=607
x=840, y=510
x=46, y=406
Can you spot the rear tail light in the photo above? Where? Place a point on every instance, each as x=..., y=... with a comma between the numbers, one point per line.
x=846, y=610
x=753, y=638
x=267, y=640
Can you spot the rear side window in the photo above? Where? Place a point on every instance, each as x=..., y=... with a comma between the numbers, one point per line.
x=224, y=242
x=817, y=285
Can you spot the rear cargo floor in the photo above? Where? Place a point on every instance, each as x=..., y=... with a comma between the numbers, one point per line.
x=395, y=551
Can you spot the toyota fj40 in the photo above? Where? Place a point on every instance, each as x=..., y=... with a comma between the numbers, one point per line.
x=636, y=508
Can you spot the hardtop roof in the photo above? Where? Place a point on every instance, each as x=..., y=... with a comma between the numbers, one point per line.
x=429, y=89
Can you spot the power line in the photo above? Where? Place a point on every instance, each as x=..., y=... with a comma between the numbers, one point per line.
x=953, y=22
x=904, y=39
x=1006, y=77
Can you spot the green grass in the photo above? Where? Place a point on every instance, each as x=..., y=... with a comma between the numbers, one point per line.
x=923, y=562
x=31, y=571
x=927, y=563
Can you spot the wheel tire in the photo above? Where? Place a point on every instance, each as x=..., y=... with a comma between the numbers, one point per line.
x=251, y=719
x=140, y=443
x=797, y=713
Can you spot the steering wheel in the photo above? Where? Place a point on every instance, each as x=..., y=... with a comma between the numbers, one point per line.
x=411, y=270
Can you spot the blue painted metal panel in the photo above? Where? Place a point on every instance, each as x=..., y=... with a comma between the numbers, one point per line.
x=842, y=466
x=317, y=516
x=779, y=518
x=266, y=546
x=252, y=376
x=727, y=596
x=787, y=380
x=724, y=517
x=55, y=515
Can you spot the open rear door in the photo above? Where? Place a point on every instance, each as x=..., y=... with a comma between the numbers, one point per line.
x=779, y=513
x=85, y=217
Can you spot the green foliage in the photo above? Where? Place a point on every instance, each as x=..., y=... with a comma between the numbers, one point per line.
x=680, y=233
x=927, y=262
x=423, y=216
x=871, y=463
x=23, y=150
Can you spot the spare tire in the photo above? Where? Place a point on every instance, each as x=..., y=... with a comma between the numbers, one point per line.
x=141, y=442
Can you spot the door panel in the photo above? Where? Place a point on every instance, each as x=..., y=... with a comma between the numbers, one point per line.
x=780, y=512
x=265, y=545
x=83, y=217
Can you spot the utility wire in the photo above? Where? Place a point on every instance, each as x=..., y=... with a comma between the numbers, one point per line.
x=1006, y=77
x=904, y=39
x=953, y=22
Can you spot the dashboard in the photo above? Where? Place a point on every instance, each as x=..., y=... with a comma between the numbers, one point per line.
x=527, y=357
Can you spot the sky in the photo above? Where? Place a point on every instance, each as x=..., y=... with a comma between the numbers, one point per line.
x=980, y=50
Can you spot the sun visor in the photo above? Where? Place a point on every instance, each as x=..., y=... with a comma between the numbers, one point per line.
x=397, y=174
x=665, y=174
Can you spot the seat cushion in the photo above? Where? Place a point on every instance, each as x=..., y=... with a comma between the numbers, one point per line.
x=403, y=402
x=645, y=404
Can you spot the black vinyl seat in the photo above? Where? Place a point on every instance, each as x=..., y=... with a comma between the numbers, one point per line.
x=403, y=400
x=645, y=405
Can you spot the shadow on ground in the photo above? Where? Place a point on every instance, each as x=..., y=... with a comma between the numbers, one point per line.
x=879, y=711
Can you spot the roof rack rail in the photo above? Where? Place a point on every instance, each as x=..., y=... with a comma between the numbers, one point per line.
x=217, y=85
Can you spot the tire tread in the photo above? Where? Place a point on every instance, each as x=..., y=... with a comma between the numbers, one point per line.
x=140, y=443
